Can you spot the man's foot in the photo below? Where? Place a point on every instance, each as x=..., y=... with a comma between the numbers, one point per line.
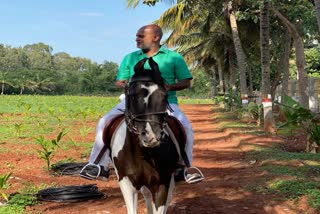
x=94, y=172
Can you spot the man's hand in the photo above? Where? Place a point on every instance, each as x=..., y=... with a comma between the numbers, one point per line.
x=121, y=83
x=183, y=84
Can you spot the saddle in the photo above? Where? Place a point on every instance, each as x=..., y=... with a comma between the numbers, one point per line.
x=174, y=124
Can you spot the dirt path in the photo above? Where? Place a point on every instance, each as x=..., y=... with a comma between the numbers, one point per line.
x=221, y=157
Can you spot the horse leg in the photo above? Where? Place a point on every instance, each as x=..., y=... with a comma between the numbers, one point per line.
x=130, y=195
x=162, y=198
x=148, y=198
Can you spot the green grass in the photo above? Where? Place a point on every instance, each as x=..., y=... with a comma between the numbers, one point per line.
x=286, y=174
x=22, y=198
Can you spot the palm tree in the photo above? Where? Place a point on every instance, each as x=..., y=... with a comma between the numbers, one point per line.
x=241, y=58
x=269, y=123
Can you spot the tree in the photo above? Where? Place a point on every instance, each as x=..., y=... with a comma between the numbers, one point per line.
x=317, y=11
x=4, y=81
x=238, y=47
x=40, y=56
x=265, y=64
x=300, y=57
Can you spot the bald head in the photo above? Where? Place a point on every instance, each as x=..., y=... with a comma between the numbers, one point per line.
x=148, y=39
x=156, y=30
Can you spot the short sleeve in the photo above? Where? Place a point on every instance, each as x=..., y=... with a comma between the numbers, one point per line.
x=181, y=68
x=124, y=69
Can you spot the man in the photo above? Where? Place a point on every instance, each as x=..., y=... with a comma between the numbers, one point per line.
x=178, y=77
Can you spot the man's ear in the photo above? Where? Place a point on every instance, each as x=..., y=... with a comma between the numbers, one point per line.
x=156, y=38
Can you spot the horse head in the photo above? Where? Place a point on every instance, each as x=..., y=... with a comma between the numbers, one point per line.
x=146, y=104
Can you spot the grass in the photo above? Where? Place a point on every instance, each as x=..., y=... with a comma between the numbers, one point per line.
x=289, y=175
x=22, y=198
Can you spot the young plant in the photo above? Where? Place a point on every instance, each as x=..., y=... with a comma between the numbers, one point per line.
x=48, y=147
x=18, y=129
x=4, y=185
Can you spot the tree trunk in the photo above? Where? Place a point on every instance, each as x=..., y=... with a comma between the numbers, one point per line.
x=232, y=71
x=285, y=63
x=239, y=52
x=300, y=59
x=249, y=71
x=2, y=87
x=221, y=86
x=214, y=81
x=269, y=123
x=317, y=11
x=282, y=69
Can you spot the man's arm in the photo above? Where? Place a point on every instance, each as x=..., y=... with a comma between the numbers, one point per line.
x=121, y=84
x=183, y=84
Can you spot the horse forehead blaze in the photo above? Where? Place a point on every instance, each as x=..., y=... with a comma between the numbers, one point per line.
x=151, y=89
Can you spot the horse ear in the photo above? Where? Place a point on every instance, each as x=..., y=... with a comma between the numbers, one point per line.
x=154, y=66
x=156, y=71
x=139, y=66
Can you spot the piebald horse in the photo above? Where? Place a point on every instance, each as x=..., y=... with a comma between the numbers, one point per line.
x=143, y=154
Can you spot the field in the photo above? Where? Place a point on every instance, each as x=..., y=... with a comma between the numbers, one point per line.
x=246, y=170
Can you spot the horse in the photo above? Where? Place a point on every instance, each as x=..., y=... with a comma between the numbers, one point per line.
x=143, y=154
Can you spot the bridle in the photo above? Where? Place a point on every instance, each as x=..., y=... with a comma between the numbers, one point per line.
x=132, y=118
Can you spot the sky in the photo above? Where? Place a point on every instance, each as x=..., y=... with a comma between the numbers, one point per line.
x=100, y=30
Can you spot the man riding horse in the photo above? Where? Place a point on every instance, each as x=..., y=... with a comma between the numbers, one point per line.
x=177, y=76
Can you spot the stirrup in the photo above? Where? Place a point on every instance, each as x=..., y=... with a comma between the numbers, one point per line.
x=88, y=176
x=192, y=178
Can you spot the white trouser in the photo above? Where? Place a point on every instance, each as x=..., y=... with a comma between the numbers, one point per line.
x=117, y=110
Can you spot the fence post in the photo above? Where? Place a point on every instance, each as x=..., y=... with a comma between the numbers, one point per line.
x=313, y=98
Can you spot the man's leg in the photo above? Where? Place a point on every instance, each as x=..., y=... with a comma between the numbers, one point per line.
x=177, y=113
x=91, y=173
x=192, y=174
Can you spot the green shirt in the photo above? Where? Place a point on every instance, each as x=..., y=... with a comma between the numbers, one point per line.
x=171, y=65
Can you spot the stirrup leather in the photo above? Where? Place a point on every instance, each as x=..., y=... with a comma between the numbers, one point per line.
x=192, y=178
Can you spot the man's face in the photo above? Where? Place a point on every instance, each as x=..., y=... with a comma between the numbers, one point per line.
x=145, y=38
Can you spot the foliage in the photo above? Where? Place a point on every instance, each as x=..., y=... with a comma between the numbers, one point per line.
x=22, y=200
x=313, y=60
x=4, y=185
x=33, y=69
x=48, y=147
x=254, y=111
x=232, y=101
x=12, y=209
x=297, y=116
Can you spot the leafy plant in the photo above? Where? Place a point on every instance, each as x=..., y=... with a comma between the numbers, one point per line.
x=232, y=101
x=296, y=115
x=48, y=147
x=18, y=128
x=4, y=185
